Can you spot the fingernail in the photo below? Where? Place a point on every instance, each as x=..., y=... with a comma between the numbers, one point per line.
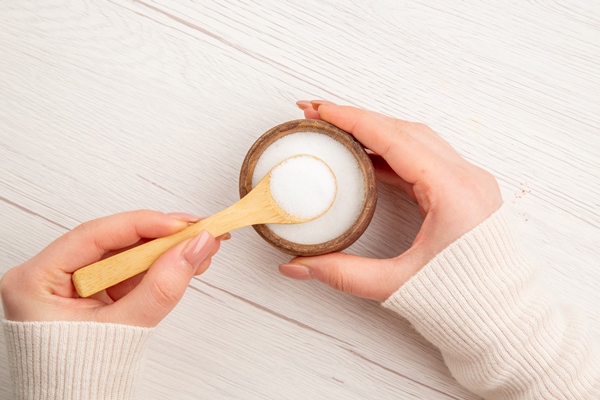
x=225, y=236
x=303, y=104
x=296, y=271
x=183, y=217
x=316, y=103
x=198, y=249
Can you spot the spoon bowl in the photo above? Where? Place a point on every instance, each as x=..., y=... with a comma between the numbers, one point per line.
x=257, y=207
x=356, y=199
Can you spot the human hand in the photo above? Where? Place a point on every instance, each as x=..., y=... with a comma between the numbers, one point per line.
x=453, y=196
x=41, y=288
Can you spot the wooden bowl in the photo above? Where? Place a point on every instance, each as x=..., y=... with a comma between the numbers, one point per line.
x=368, y=207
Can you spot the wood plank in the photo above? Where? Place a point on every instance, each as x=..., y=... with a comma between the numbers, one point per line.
x=106, y=107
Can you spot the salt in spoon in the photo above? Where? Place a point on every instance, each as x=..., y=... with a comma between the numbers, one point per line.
x=275, y=200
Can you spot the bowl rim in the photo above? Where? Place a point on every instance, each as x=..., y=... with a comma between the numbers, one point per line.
x=356, y=148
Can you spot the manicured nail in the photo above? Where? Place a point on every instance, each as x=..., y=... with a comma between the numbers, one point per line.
x=225, y=236
x=316, y=103
x=184, y=217
x=303, y=104
x=198, y=249
x=296, y=271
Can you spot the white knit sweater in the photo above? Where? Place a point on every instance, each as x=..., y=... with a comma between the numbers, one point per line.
x=74, y=360
x=479, y=301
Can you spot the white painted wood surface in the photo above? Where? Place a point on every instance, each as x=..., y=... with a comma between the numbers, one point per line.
x=108, y=106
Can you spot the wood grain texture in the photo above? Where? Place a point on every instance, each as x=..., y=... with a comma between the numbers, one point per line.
x=112, y=106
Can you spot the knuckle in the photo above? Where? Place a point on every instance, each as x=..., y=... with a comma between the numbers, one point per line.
x=84, y=228
x=337, y=280
x=163, y=295
x=418, y=126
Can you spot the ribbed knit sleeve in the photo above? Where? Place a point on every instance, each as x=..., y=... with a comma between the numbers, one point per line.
x=481, y=302
x=74, y=360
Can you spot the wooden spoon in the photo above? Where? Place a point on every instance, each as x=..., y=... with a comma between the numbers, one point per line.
x=257, y=207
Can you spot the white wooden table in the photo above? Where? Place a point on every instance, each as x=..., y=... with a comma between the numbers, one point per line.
x=108, y=106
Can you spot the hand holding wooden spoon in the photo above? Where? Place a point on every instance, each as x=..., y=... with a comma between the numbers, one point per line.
x=297, y=190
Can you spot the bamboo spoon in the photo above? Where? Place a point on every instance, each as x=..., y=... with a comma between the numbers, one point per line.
x=257, y=207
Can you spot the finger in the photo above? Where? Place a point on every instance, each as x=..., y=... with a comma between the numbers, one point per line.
x=224, y=237
x=364, y=277
x=386, y=174
x=391, y=138
x=115, y=252
x=200, y=269
x=102, y=296
x=89, y=241
x=382, y=169
x=309, y=111
x=163, y=285
x=203, y=267
x=119, y=290
x=435, y=142
x=419, y=131
x=311, y=114
x=189, y=218
x=185, y=217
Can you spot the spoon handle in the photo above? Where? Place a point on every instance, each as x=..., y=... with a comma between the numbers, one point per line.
x=112, y=270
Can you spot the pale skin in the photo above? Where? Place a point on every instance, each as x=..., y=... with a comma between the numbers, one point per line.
x=452, y=194
x=41, y=289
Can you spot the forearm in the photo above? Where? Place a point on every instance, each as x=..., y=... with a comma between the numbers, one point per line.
x=481, y=303
x=76, y=360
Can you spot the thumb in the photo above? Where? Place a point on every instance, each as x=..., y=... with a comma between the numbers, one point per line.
x=165, y=283
x=359, y=276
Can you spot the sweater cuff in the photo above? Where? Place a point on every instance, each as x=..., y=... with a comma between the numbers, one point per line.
x=468, y=286
x=481, y=302
x=83, y=360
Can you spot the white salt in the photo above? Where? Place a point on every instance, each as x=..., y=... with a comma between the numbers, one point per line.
x=350, y=185
x=303, y=186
